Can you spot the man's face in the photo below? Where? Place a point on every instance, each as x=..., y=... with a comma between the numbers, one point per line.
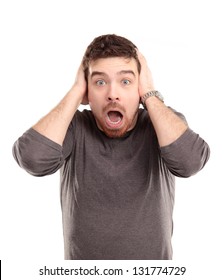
x=113, y=94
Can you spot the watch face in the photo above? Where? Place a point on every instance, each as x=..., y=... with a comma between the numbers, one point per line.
x=159, y=95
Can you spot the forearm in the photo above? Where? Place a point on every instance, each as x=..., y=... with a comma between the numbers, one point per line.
x=168, y=126
x=55, y=124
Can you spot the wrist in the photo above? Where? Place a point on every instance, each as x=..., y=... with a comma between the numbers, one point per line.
x=151, y=94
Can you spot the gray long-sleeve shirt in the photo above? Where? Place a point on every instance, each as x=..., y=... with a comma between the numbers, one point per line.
x=117, y=194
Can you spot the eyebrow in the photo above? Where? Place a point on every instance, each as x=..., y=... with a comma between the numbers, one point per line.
x=97, y=73
x=126, y=72
x=122, y=72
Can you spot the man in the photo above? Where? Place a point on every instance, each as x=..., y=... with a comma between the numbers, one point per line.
x=117, y=162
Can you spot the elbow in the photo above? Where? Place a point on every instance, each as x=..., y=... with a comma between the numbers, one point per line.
x=188, y=170
x=195, y=163
x=184, y=170
x=39, y=168
x=35, y=161
x=187, y=155
x=200, y=160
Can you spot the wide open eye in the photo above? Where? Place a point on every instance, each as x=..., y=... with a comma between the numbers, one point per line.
x=126, y=82
x=100, y=82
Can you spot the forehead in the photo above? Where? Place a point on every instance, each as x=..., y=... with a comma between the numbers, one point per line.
x=113, y=64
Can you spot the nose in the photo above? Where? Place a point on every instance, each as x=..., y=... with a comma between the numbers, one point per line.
x=113, y=94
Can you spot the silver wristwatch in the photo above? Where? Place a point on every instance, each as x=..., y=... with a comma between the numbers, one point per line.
x=149, y=94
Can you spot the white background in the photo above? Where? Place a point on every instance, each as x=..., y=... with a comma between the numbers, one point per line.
x=41, y=46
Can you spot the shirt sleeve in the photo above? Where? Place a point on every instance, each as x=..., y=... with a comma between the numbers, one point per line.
x=187, y=155
x=39, y=155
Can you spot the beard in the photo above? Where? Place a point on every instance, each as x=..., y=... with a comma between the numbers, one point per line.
x=127, y=123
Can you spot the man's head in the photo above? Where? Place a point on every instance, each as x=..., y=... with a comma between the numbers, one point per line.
x=109, y=45
x=112, y=71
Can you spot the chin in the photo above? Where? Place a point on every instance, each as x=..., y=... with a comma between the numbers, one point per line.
x=115, y=133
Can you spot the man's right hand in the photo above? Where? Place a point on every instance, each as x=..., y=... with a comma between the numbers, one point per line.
x=81, y=84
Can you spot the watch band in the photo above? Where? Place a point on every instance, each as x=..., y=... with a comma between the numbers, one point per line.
x=150, y=94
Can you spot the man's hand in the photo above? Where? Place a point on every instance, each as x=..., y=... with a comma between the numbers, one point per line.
x=81, y=84
x=145, y=79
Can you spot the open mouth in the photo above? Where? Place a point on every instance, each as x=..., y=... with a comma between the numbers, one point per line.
x=114, y=118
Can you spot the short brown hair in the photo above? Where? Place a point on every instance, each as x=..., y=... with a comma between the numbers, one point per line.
x=109, y=45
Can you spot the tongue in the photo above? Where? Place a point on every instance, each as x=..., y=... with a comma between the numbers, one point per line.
x=114, y=116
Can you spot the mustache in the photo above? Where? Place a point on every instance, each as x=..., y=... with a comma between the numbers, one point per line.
x=113, y=106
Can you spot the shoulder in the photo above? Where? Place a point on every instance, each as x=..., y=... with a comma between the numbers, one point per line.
x=83, y=123
x=84, y=117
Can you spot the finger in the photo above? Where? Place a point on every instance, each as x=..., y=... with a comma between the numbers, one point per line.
x=140, y=55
